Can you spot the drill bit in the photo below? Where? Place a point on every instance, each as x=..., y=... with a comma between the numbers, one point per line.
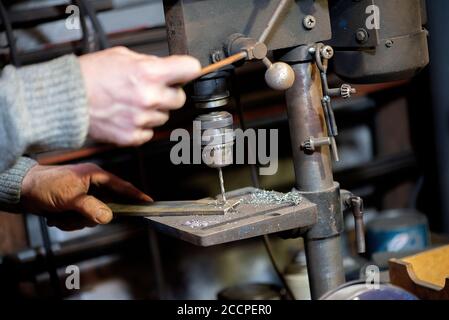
x=220, y=175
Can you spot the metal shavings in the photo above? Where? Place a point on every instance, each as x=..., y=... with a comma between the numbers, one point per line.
x=229, y=206
x=196, y=224
x=264, y=197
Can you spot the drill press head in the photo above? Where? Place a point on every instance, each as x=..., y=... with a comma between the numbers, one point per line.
x=211, y=91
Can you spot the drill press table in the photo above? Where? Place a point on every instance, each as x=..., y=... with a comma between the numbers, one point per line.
x=245, y=222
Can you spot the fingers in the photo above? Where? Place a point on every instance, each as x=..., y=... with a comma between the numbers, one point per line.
x=123, y=86
x=121, y=134
x=75, y=201
x=93, y=209
x=151, y=118
x=114, y=183
x=157, y=96
x=181, y=69
x=129, y=125
x=134, y=137
x=172, y=70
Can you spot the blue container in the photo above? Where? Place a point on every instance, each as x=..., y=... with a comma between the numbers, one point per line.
x=396, y=231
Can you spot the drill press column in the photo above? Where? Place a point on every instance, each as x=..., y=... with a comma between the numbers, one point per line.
x=314, y=179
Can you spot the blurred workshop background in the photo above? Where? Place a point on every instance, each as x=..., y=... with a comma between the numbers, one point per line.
x=394, y=149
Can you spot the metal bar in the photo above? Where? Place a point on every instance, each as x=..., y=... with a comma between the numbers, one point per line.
x=50, y=259
x=92, y=14
x=223, y=63
x=9, y=36
x=324, y=265
x=173, y=208
x=274, y=19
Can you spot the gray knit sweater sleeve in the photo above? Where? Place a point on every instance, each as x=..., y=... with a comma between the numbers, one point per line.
x=42, y=107
x=11, y=181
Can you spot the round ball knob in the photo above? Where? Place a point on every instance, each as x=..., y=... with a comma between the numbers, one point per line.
x=280, y=76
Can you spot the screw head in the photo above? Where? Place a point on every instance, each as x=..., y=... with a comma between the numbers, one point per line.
x=389, y=43
x=361, y=35
x=327, y=52
x=309, y=22
x=215, y=56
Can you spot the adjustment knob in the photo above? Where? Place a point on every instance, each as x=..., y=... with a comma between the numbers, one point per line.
x=279, y=75
x=347, y=91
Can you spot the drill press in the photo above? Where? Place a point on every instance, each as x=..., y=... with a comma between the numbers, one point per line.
x=302, y=34
x=210, y=92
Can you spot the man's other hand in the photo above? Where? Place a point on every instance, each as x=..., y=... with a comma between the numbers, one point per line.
x=60, y=193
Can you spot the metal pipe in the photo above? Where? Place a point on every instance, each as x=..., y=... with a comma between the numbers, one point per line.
x=314, y=176
x=273, y=20
x=324, y=265
x=306, y=119
x=223, y=63
x=13, y=53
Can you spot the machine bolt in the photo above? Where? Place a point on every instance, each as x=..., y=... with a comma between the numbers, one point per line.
x=309, y=22
x=361, y=35
x=309, y=146
x=327, y=52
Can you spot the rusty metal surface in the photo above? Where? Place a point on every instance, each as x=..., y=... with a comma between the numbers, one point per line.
x=246, y=222
x=314, y=179
x=200, y=28
x=313, y=171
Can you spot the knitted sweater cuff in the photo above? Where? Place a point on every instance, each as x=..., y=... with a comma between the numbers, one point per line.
x=11, y=180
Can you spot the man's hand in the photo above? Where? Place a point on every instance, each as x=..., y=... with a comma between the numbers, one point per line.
x=61, y=194
x=131, y=93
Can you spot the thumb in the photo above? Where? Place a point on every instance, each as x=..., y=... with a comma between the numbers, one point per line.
x=93, y=209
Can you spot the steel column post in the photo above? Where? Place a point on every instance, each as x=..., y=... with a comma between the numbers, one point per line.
x=314, y=179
